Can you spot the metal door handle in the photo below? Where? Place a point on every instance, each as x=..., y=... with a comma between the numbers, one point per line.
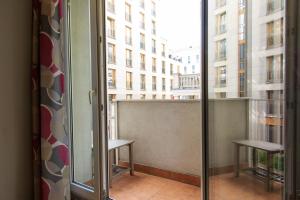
x=91, y=93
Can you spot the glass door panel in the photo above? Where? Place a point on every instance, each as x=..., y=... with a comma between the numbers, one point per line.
x=246, y=64
x=83, y=99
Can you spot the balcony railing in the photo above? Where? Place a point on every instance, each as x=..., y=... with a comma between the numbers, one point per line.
x=222, y=29
x=111, y=59
x=143, y=66
x=112, y=84
x=128, y=63
x=153, y=49
x=154, y=87
x=129, y=85
x=187, y=81
x=128, y=17
x=128, y=40
x=153, y=68
x=275, y=40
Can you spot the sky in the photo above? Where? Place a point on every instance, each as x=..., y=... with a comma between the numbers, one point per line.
x=180, y=22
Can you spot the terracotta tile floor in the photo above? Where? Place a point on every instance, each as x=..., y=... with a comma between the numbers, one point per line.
x=223, y=187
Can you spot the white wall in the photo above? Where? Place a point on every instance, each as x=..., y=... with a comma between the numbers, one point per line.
x=168, y=134
x=15, y=102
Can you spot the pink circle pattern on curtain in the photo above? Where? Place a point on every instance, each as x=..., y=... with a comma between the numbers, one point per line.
x=50, y=136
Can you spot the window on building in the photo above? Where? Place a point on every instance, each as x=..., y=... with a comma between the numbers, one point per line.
x=153, y=27
x=171, y=69
x=153, y=46
x=153, y=64
x=111, y=6
x=111, y=54
x=154, y=96
x=221, y=50
x=142, y=21
x=153, y=9
x=128, y=12
x=163, y=50
x=220, y=3
x=274, y=33
x=112, y=97
x=274, y=69
x=242, y=26
x=143, y=82
x=221, y=95
x=142, y=61
x=193, y=69
x=111, y=76
x=128, y=58
x=242, y=85
x=128, y=35
x=163, y=96
x=163, y=84
x=153, y=82
x=198, y=58
x=221, y=76
x=189, y=59
x=143, y=96
x=274, y=6
x=128, y=96
x=242, y=56
x=221, y=23
x=142, y=41
x=185, y=69
x=163, y=67
x=128, y=80
x=142, y=3
x=111, y=31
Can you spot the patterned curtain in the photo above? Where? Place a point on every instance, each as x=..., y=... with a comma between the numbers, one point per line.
x=50, y=138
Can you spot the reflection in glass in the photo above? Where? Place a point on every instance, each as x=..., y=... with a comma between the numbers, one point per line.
x=246, y=95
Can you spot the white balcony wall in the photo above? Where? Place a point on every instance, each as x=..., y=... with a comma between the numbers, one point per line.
x=168, y=134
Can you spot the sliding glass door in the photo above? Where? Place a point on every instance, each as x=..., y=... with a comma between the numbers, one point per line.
x=245, y=63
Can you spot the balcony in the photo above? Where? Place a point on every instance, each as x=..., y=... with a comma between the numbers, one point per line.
x=274, y=40
x=128, y=63
x=111, y=59
x=111, y=33
x=128, y=40
x=274, y=6
x=128, y=17
x=154, y=50
x=167, y=156
x=187, y=81
x=143, y=66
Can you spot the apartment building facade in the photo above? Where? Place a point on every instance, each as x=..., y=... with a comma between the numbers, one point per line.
x=138, y=62
x=246, y=59
x=266, y=42
x=186, y=85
